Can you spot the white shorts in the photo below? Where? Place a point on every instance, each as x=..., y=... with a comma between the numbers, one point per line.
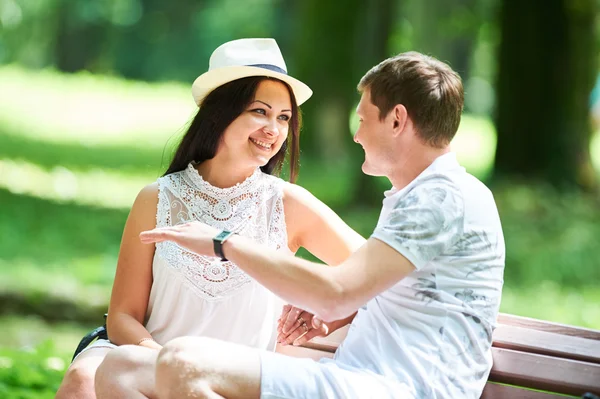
x=285, y=377
x=99, y=343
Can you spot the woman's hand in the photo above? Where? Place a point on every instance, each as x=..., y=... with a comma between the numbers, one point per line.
x=194, y=236
x=151, y=344
x=297, y=326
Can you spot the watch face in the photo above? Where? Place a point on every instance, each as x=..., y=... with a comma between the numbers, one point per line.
x=222, y=235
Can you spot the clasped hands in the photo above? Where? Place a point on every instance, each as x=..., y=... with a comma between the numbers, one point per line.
x=297, y=326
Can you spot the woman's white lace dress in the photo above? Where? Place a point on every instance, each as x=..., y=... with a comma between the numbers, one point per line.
x=195, y=295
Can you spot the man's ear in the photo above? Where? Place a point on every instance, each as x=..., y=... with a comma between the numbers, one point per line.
x=399, y=117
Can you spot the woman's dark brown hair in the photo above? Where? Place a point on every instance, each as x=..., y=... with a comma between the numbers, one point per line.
x=221, y=107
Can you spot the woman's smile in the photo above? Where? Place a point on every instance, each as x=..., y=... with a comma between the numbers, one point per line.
x=261, y=144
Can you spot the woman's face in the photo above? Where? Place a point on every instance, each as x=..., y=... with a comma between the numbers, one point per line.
x=258, y=133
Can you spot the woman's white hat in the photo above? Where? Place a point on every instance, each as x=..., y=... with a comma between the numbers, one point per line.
x=242, y=58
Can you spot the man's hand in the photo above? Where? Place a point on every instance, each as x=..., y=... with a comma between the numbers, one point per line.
x=297, y=326
x=194, y=236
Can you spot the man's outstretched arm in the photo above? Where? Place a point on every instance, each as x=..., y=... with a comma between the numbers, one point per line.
x=330, y=293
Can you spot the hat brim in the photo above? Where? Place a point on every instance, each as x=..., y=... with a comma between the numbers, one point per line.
x=210, y=80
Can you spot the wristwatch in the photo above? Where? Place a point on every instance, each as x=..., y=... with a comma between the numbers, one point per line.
x=218, y=241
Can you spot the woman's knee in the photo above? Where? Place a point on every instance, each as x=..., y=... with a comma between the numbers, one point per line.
x=79, y=378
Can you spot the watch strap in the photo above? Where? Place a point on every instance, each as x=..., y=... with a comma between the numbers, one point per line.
x=218, y=241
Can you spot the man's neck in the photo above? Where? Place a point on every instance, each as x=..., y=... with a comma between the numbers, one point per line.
x=408, y=170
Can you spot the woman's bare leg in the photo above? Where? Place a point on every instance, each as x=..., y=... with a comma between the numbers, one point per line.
x=78, y=381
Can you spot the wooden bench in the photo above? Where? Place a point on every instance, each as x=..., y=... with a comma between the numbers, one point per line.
x=533, y=359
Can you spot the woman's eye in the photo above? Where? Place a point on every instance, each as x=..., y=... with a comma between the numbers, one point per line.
x=260, y=111
x=284, y=117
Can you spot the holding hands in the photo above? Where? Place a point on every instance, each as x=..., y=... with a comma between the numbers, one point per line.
x=296, y=326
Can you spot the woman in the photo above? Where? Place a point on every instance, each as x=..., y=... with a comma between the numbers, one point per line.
x=221, y=174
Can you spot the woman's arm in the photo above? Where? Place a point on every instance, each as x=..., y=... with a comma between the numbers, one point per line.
x=133, y=279
x=313, y=225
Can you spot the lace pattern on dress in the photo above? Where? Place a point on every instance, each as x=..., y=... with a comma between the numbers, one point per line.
x=253, y=208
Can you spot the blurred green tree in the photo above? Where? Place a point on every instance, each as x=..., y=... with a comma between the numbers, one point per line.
x=547, y=68
x=335, y=46
x=446, y=30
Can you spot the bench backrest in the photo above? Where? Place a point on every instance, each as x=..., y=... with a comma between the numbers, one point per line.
x=528, y=355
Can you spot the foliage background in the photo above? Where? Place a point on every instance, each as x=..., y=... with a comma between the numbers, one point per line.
x=94, y=97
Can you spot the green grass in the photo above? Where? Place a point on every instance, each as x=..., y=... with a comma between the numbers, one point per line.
x=91, y=110
x=550, y=301
x=34, y=356
x=549, y=236
x=26, y=332
x=31, y=374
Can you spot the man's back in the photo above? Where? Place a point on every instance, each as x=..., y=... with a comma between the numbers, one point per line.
x=433, y=329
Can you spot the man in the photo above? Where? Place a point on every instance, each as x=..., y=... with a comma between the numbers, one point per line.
x=426, y=285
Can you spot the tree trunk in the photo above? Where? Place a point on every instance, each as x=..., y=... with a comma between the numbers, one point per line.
x=446, y=30
x=372, y=49
x=335, y=46
x=78, y=42
x=547, y=67
x=325, y=45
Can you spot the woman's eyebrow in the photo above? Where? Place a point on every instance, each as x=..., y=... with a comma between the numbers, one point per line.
x=258, y=101
x=262, y=102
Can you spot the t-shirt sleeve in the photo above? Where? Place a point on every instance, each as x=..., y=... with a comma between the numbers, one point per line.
x=425, y=221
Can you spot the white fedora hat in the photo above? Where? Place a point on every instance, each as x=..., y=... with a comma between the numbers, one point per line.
x=242, y=58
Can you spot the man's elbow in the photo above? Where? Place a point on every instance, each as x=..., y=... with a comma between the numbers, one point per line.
x=334, y=306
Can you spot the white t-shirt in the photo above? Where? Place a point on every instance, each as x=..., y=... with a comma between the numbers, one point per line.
x=433, y=329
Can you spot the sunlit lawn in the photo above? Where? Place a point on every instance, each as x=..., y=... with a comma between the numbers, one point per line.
x=34, y=356
x=75, y=150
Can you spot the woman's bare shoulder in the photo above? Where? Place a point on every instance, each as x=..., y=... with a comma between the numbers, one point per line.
x=146, y=201
x=298, y=195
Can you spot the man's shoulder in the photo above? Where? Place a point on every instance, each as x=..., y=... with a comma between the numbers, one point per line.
x=435, y=190
x=439, y=178
x=458, y=183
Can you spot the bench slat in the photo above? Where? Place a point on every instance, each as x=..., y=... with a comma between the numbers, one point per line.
x=547, y=326
x=329, y=343
x=546, y=373
x=498, y=391
x=302, y=352
x=546, y=343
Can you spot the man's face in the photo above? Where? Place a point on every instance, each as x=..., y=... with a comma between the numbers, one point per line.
x=372, y=136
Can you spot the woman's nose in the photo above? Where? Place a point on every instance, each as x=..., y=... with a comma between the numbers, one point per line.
x=271, y=128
